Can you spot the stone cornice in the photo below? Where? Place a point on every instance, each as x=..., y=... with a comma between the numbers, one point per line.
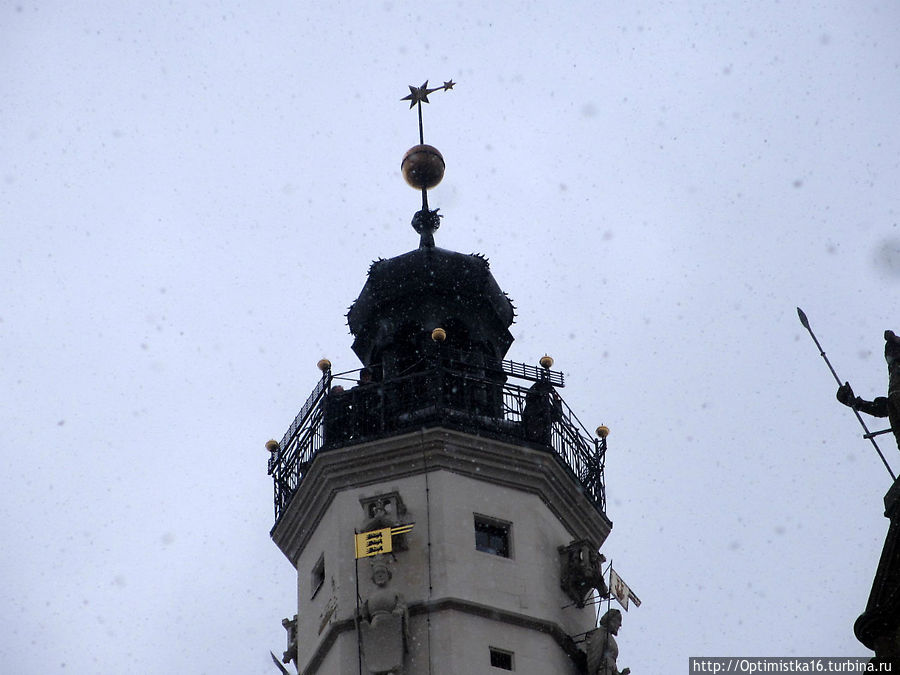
x=519, y=467
x=566, y=643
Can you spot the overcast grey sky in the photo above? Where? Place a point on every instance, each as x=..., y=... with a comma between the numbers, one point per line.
x=190, y=195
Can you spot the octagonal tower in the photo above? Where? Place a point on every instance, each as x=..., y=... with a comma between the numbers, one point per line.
x=444, y=507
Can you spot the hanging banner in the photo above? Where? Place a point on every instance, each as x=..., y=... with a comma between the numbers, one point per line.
x=380, y=541
x=621, y=591
x=373, y=543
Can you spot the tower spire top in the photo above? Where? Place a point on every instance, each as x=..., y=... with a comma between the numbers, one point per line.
x=423, y=166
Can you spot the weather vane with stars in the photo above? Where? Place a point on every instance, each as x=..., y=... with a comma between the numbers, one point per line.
x=423, y=166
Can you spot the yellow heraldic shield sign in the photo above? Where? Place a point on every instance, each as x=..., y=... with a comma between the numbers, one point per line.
x=375, y=542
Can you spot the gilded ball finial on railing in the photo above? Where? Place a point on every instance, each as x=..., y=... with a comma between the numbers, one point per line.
x=438, y=334
x=546, y=362
x=324, y=365
x=602, y=431
x=272, y=445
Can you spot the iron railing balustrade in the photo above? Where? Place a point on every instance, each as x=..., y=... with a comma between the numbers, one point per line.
x=457, y=390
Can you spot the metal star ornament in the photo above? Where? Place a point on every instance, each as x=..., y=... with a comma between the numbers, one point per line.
x=420, y=94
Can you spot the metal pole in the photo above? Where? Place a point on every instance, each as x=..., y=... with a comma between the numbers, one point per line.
x=356, y=618
x=868, y=434
x=422, y=142
x=608, y=603
x=421, y=128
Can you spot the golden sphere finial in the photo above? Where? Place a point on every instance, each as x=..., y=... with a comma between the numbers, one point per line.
x=438, y=334
x=422, y=166
x=603, y=431
x=324, y=365
x=272, y=445
x=546, y=362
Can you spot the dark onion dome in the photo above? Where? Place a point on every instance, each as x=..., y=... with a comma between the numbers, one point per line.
x=405, y=298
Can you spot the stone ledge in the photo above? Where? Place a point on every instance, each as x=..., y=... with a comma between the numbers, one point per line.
x=566, y=643
x=515, y=466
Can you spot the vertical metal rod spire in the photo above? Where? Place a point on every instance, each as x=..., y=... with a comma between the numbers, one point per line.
x=422, y=142
x=423, y=165
x=868, y=434
x=421, y=128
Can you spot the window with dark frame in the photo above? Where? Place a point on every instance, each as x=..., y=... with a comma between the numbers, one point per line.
x=492, y=536
x=318, y=576
x=501, y=659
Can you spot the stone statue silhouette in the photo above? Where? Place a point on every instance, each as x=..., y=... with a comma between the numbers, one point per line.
x=883, y=406
x=602, y=650
x=384, y=625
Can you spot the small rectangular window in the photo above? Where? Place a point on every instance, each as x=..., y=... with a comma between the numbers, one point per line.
x=501, y=658
x=492, y=536
x=318, y=576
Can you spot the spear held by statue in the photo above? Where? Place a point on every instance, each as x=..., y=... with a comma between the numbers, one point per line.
x=888, y=406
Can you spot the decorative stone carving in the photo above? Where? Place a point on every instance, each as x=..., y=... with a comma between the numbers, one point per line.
x=328, y=611
x=581, y=570
x=384, y=625
x=602, y=650
x=384, y=510
x=290, y=625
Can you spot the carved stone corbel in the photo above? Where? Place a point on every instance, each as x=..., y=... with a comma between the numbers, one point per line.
x=385, y=510
x=581, y=570
x=290, y=625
